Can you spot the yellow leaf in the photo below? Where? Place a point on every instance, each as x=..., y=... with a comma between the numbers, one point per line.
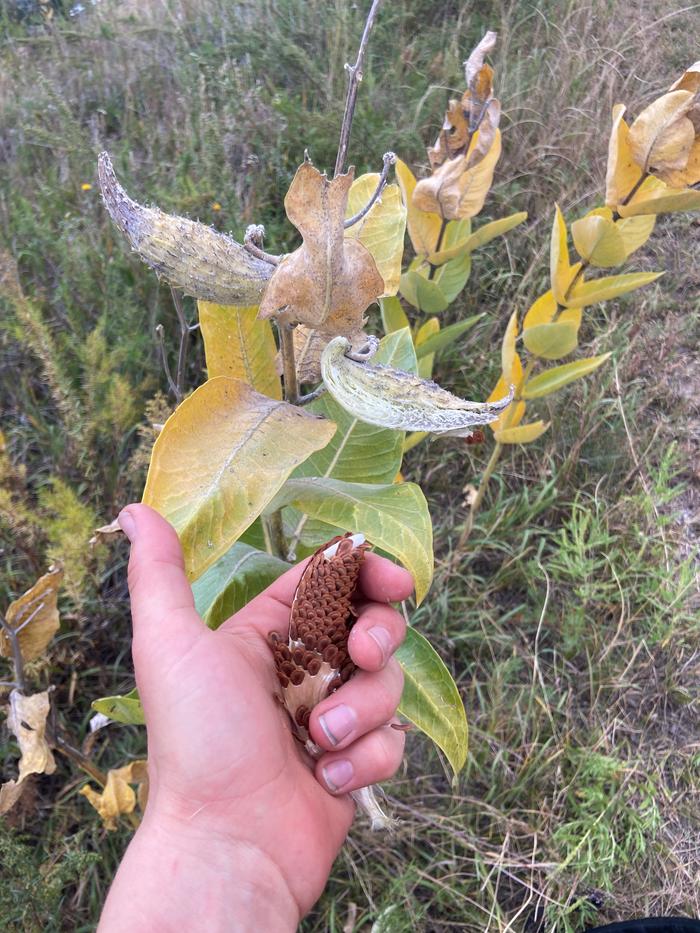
x=480, y=237
x=27, y=721
x=393, y=315
x=117, y=798
x=690, y=175
x=623, y=173
x=543, y=309
x=598, y=240
x=221, y=457
x=423, y=226
x=458, y=188
x=412, y=440
x=508, y=354
x=36, y=613
x=553, y=379
x=635, y=231
x=523, y=434
x=515, y=412
x=656, y=197
x=426, y=330
x=561, y=271
x=662, y=135
x=239, y=345
x=551, y=341
x=612, y=286
x=382, y=229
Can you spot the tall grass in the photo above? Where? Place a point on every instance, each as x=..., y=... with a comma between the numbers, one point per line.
x=571, y=624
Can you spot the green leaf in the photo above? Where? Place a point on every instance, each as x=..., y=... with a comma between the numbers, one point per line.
x=611, y=286
x=423, y=293
x=220, y=458
x=237, y=344
x=229, y=584
x=394, y=518
x=358, y=449
x=453, y=276
x=553, y=379
x=446, y=337
x=431, y=699
x=126, y=709
x=551, y=341
x=393, y=315
x=480, y=237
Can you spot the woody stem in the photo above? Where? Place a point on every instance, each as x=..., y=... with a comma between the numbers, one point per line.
x=355, y=72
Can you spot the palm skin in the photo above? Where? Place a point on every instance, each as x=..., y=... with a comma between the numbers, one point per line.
x=225, y=772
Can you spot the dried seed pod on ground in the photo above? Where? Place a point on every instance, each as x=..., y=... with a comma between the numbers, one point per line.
x=314, y=661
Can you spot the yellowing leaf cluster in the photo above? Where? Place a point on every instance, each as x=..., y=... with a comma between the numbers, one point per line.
x=117, y=798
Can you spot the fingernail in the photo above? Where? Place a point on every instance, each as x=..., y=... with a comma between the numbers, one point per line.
x=127, y=524
x=337, y=774
x=382, y=637
x=338, y=723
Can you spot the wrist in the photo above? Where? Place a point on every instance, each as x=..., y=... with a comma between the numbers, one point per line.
x=176, y=877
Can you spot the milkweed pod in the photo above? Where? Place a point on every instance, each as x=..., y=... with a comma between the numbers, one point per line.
x=392, y=398
x=187, y=254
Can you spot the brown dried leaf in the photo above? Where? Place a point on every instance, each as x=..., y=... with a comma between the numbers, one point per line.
x=27, y=720
x=475, y=62
x=662, y=135
x=330, y=280
x=36, y=614
x=106, y=533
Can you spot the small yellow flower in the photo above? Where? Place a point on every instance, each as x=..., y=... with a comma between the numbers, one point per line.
x=86, y=186
x=216, y=206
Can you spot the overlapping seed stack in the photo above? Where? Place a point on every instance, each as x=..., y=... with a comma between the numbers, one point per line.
x=315, y=660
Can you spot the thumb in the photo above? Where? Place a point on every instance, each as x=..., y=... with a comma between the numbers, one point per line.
x=162, y=605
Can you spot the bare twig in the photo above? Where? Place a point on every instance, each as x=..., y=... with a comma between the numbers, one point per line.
x=160, y=337
x=312, y=396
x=389, y=159
x=253, y=241
x=17, y=659
x=355, y=72
x=184, y=340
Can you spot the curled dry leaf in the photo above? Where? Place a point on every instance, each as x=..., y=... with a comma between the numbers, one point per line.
x=117, y=797
x=188, y=255
x=34, y=616
x=662, y=136
x=392, y=398
x=330, y=280
x=106, y=533
x=475, y=63
x=27, y=720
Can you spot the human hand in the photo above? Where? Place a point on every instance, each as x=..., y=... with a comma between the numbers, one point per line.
x=238, y=818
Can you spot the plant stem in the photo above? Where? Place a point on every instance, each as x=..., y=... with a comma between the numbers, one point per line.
x=17, y=659
x=273, y=531
x=389, y=160
x=355, y=72
x=289, y=368
x=441, y=236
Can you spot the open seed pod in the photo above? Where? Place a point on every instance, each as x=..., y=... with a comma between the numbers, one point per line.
x=314, y=661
